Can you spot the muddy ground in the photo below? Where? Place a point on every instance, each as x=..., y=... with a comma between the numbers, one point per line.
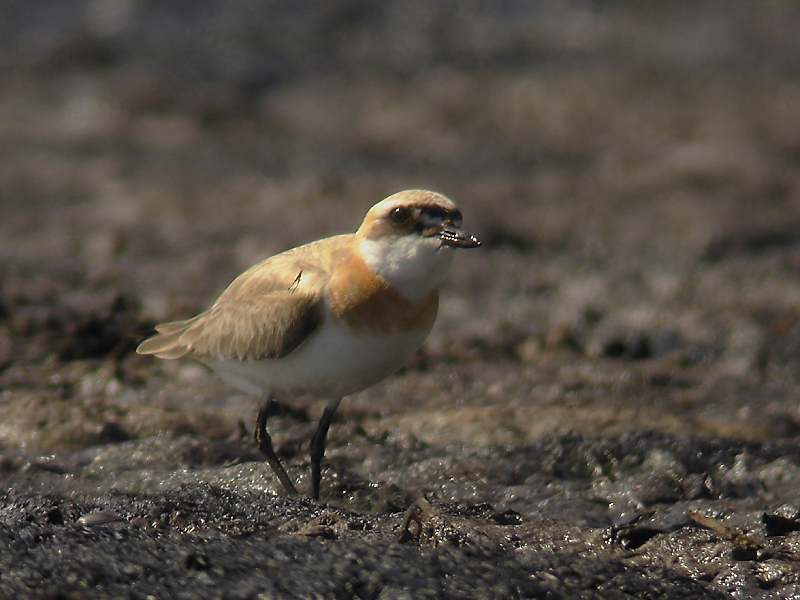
x=607, y=406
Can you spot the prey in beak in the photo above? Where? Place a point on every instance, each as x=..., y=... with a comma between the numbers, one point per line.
x=446, y=225
x=457, y=237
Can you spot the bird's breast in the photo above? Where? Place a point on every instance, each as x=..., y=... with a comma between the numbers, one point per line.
x=367, y=305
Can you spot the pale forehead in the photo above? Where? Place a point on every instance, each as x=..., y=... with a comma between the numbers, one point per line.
x=420, y=198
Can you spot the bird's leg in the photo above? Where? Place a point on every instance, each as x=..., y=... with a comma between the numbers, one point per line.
x=265, y=445
x=318, y=445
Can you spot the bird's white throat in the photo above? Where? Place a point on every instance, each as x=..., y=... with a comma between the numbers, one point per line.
x=412, y=264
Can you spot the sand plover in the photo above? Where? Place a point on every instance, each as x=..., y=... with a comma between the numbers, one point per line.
x=329, y=318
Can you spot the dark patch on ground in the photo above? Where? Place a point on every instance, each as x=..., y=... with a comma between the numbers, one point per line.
x=607, y=406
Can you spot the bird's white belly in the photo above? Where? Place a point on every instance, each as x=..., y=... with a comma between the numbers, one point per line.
x=331, y=362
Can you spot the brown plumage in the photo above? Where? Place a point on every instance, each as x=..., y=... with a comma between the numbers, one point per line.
x=265, y=313
x=329, y=318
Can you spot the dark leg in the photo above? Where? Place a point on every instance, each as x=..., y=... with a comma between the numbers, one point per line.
x=318, y=445
x=265, y=445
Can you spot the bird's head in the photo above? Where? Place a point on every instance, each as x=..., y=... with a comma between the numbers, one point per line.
x=408, y=239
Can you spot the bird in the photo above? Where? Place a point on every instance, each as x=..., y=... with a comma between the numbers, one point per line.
x=329, y=318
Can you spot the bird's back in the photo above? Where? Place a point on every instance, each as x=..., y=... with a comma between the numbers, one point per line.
x=266, y=312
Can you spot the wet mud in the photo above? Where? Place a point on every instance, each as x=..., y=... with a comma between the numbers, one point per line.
x=607, y=406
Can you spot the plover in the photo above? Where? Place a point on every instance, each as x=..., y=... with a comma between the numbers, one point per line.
x=327, y=319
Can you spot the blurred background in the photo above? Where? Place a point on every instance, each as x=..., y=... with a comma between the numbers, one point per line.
x=624, y=348
x=632, y=168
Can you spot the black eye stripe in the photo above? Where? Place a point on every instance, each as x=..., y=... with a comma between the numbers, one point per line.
x=424, y=217
x=436, y=215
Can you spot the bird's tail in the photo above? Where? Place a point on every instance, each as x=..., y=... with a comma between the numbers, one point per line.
x=166, y=343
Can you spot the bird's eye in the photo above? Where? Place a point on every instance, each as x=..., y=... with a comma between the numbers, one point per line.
x=455, y=218
x=399, y=215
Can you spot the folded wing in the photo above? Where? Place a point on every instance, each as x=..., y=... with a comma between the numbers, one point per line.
x=257, y=317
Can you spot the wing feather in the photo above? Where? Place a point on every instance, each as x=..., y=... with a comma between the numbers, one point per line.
x=269, y=327
x=266, y=312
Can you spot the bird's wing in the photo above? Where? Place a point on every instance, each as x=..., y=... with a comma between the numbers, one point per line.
x=265, y=313
x=268, y=327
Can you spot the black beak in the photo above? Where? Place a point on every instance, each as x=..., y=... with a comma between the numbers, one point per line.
x=453, y=236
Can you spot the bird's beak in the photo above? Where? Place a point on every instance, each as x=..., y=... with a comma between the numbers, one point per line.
x=453, y=236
